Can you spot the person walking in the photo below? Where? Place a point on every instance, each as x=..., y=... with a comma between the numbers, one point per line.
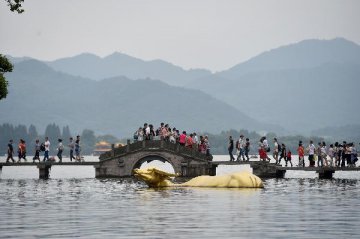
x=301, y=154
x=207, y=143
x=276, y=151
x=331, y=153
x=22, y=150
x=320, y=162
x=241, y=148
x=288, y=158
x=189, y=141
x=324, y=154
x=10, y=152
x=77, y=149
x=336, y=154
x=344, y=154
x=71, y=145
x=311, y=150
x=60, y=149
x=283, y=153
x=182, y=139
x=37, y=151
x=231, y=148
x=247, y=149
x=47, y=149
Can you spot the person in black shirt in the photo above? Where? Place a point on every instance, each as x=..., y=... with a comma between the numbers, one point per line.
x=37, y=151
x=231, y=148
x=10, y=151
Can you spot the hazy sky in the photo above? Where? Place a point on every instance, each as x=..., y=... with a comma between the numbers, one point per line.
x=189, y=33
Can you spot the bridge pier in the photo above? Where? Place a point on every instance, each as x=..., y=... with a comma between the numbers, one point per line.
x=326, y=173
x=267, y=170
x=44, y=171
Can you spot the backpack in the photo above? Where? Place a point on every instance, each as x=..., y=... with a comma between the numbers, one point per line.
x=279, y=148
x=136, y=135
x=42, y=147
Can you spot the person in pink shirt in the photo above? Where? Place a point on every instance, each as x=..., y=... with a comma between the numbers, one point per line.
x=182, y=138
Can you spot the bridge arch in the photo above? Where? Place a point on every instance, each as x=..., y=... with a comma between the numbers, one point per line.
x=151, y=158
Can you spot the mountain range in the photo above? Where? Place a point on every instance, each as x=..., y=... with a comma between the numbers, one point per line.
x=117, y=64
x=301, y=87
x=118, y=106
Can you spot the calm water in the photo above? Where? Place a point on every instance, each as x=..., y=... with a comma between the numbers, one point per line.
x=74, y=204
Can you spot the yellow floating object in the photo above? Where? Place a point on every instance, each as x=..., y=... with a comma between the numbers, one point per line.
x=154, y=177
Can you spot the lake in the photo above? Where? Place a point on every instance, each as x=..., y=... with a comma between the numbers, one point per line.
x=72, y=203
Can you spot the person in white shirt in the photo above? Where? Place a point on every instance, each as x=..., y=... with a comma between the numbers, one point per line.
x=47, y=149
x=195, y=139
x=311, y=150
x=241, y=148
x=60, y=150
x=276, y=151
x=147, y=132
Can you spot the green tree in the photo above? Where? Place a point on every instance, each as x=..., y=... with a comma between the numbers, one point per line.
x=20, y=132
x=15, y=5
x=88, y=141
x=6, y=133
x=33, y=135
x=66, y=134
x=5, y=66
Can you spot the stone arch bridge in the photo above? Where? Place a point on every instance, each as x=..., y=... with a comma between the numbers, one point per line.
x=187, y=162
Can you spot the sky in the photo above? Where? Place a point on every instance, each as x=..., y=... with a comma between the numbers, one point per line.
x=210, y=34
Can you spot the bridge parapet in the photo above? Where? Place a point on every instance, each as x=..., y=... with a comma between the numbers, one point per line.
x=155, y=145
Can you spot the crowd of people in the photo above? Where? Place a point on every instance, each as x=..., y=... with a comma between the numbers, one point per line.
x=173, y=135
x=38, y=148
x=336, y=155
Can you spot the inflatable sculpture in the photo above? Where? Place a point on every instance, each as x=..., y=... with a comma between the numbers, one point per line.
x=154, y=177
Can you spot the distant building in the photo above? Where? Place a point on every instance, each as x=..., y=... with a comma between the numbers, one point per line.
x=101, y=147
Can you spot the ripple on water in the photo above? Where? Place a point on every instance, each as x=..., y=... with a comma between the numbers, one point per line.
x=84, y=207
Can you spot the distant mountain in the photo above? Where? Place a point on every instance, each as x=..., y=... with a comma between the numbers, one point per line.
x=304, y=86
x=39, y=95
x=118, y=64
x=305, y=54
x=340, y=133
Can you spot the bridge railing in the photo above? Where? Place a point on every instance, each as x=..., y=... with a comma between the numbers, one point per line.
x=154, y=144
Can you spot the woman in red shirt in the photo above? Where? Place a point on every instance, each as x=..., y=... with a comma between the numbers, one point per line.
x=301, y=154
x=22, y=150
x=189, y=141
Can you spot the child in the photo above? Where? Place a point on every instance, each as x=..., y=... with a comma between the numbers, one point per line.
x=288, y=158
